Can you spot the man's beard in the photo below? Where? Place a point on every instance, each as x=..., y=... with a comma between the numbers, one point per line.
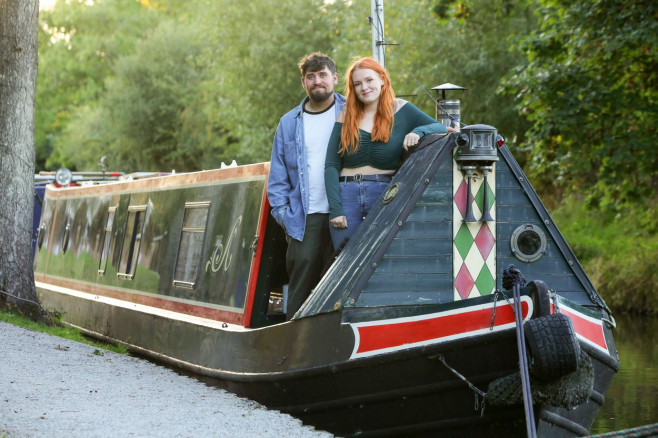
x=320, y=94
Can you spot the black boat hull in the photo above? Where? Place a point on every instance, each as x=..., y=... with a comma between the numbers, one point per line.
x=409, y=392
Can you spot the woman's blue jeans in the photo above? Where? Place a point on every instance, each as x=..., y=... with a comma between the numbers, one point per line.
x=358, y=198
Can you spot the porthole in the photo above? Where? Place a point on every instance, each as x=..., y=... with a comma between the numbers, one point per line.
x=528, y=243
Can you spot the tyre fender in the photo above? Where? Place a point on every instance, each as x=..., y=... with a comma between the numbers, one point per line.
x=541, y=298
x=553, y=348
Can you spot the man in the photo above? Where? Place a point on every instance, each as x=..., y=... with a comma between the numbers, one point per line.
x=295, y=187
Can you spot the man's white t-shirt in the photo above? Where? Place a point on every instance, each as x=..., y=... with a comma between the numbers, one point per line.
x=317, y=130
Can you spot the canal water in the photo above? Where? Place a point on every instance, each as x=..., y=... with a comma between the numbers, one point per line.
x=632, y=399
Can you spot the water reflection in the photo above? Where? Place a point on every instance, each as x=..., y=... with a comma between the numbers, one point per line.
x=632, y=399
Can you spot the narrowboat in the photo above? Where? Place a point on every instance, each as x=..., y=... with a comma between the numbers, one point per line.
x=412, y=329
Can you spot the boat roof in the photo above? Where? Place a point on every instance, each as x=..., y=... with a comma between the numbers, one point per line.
x=416, y=212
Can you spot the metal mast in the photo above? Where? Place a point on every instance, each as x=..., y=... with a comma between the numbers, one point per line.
x=378, y=44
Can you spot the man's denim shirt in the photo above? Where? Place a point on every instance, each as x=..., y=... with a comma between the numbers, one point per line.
x=287, y=185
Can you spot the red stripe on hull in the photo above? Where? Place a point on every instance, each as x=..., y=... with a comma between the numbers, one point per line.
x=255, y=264
x=401, y=333
x=587, y=328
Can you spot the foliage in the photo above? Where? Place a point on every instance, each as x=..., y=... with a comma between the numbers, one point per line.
x=139, y=122
x=251, y=69
x=186, y=85
x=590, y=91
x=78, y=47
x=472, y=44
x=618, y=251
x=61, y=331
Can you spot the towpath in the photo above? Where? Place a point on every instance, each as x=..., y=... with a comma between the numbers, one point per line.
x=55, y=387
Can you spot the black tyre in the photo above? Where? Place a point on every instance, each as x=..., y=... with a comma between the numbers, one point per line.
x=506, y=391
x=553, y=349
x=541, y=298
x=567, y=392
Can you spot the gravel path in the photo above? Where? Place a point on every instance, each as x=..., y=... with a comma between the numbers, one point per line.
x=51, y=386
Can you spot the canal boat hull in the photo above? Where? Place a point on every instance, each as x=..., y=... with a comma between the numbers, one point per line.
x=188, y=269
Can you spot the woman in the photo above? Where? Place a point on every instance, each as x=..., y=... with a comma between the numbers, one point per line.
x=366, y=144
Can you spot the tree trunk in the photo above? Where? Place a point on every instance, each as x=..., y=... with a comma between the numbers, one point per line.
x=18, y=75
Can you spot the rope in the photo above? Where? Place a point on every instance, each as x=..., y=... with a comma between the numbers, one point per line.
x=647, y=431
x=22, y=299
x=511, y=276
x=525, y=377
x=514, y=279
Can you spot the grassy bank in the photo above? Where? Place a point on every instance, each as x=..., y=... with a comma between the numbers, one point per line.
x=618, y=251
x=61, y=331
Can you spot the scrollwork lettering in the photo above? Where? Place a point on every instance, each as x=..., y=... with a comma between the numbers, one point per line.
x=220, y=256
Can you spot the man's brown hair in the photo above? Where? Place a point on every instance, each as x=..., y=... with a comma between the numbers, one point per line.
x=316, y=61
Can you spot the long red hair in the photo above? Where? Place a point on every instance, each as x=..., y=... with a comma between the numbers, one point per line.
x=354, y=108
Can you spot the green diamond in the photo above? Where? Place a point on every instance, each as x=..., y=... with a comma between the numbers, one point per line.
x=490, y=196
x=463, y=240
x=485, y=281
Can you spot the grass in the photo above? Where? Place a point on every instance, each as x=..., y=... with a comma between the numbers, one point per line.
x=618, y=251
x=61, y=331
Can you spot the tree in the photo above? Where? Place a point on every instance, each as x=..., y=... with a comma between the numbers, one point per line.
x=590, y=91
x=18, y=75
x=192, y=83
x=80, y=43
x=140, y=122
x=469, y=43
x=251, y=64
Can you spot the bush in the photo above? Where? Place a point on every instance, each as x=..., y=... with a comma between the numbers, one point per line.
x=619, y=252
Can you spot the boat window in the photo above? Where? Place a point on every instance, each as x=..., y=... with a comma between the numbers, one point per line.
x=131, y=241
x=528, y=243
x=191, y=244
x=102, y=265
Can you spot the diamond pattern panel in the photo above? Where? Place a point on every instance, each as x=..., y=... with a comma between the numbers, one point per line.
x=485, y=281
x=474, y=243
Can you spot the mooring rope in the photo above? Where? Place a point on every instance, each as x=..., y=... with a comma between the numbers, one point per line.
x=21, y=299
x=523, y=363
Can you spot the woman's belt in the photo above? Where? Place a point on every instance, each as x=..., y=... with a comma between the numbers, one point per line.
x=379, y=177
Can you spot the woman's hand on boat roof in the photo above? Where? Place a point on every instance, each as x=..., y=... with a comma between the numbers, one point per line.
x=339, y=222
x=410, y=140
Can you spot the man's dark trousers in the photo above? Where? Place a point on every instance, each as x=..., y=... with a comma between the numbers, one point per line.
x=306, y=259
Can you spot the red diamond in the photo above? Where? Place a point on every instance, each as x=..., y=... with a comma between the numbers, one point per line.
x=485, y=240
x=460, y=197
x=464, y=282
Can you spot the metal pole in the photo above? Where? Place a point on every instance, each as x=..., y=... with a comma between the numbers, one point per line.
x=523, y=364
x=378, y=47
